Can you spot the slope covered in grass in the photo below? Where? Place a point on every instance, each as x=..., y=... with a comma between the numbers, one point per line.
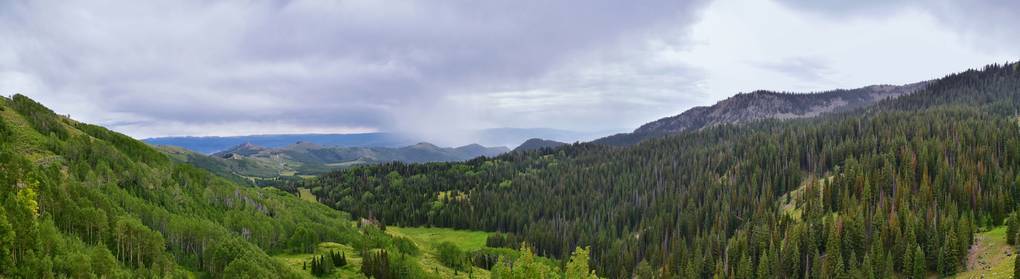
x=990, y=256
x=80, y=200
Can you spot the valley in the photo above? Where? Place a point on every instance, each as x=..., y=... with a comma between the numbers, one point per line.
x=83, y=201
x=553, y=139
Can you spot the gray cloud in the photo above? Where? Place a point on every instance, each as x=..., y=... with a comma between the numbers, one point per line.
x=807, y=69
x=194, y=67
x=990, y=24
x=343, y=64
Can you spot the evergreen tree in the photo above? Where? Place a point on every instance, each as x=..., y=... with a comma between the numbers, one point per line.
x=577, y=267
x=1012, y=228
x=1016, y=266
x=918, y=268
x=867, y=268
x=744, y=268
x=764, y=267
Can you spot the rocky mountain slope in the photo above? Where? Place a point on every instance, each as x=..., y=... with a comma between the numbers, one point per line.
x=761, y=105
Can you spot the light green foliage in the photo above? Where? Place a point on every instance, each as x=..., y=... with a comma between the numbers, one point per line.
x=303, y=240
x=7, y=238
x=577, y=267
x=80, y=201
x=525, y=267
x=245, y=269
x=406, y=246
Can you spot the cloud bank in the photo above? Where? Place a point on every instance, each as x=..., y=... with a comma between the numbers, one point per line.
x=439, y=68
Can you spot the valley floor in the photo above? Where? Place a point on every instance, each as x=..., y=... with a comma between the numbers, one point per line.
x=425, y=238
x=990, y=256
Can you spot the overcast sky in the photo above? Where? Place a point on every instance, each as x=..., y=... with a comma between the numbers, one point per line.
x=181, y=67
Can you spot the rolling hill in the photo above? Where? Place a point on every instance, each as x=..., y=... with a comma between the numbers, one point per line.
x=306, y=158
x=537, y=143
x=81, y=201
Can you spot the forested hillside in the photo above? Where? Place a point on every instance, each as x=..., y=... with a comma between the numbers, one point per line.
x=80, y=201
x=309, y=158
x=896, y=189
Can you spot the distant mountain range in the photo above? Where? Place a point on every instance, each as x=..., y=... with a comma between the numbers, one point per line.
x=759, y=105
x=486, y=137
x=537, y=143
x=209, y=145
x=306, y=158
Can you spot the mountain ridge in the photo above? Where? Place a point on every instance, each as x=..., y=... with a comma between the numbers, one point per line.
x=764, y=104
x=251, y=160
x=537, y=143
x=487, y=137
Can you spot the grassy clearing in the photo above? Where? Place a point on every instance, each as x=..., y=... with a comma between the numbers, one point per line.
x=428, y=237
x=789, y=201
x=425, y=238
x=352, y=270
x=306, y=194
x=990, y=257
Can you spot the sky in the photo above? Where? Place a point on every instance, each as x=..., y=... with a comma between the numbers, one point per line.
x=437, y=68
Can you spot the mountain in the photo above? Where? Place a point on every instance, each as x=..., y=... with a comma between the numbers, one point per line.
x=476, y=150
x=487, y=137
x=239, y=170
x=914, y=186
x=760, y=105
x=209, y=145
x=306, y=158
x=514, y=136
x=537, y=143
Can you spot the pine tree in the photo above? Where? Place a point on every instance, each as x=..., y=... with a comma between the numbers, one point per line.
x=889, y=266
x=1016, y=266
x=952, y=259
x=816, y=265
x=1012, y=228
x=744, y=269
x=764, y=267
x=918, y=269
x=868, y=267
x=907, y=266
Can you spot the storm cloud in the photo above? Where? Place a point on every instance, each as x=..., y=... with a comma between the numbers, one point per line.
x=432, y=68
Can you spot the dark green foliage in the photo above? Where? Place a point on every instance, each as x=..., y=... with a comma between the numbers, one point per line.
x=498, y=240
x=452, y=256
x=322, y=265
x=376, y=264
x=1016, y=267
x=339, y=258
x=922, y=171
x=487, y=257
x=1012, y=228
